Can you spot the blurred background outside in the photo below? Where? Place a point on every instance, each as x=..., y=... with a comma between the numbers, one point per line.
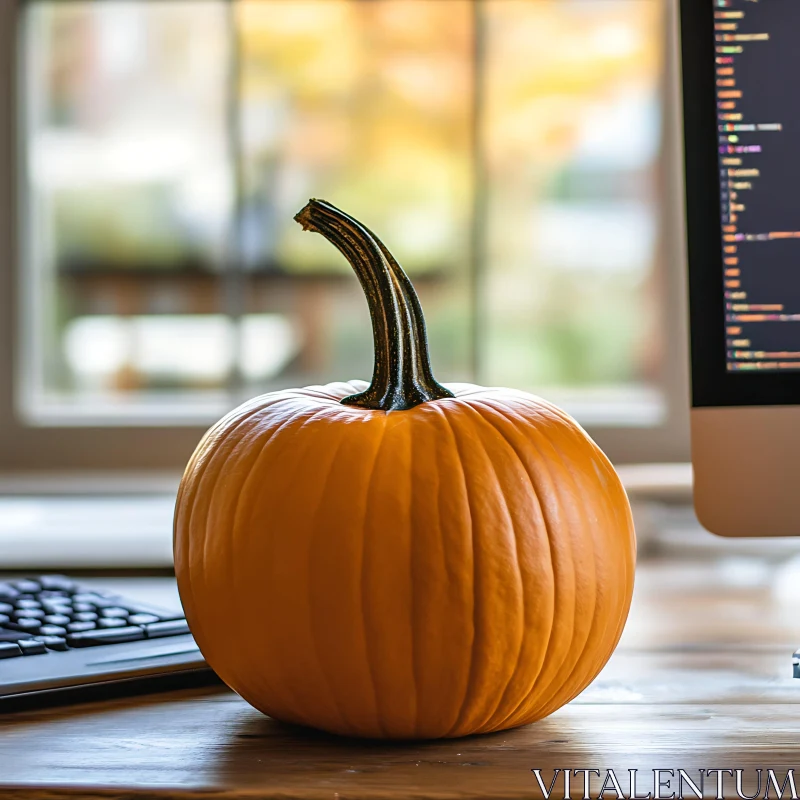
x=507, y=151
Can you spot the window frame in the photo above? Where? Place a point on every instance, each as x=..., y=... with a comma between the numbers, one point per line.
x=162, y=445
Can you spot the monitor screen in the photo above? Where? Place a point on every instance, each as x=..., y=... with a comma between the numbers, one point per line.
x=758, y=122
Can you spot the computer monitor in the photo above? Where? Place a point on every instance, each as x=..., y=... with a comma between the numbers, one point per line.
x=740, y=61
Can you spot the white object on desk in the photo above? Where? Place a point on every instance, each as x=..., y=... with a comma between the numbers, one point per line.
x=68, y=532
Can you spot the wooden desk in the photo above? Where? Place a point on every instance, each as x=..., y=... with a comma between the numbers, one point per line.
x=701, y=680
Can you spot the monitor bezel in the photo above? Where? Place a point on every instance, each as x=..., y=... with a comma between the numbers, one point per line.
x=712, y=383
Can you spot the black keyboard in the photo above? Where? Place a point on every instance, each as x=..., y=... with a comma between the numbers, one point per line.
x=56, y=634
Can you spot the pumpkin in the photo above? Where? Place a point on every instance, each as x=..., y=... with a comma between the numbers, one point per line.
x=402, y=559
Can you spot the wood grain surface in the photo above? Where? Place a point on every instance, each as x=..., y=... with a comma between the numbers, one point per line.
x=701, y=680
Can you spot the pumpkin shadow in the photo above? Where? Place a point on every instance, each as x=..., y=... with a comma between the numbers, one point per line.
x=262, y=752
x=267, y=730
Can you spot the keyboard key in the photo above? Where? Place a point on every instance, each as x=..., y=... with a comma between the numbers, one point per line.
x=143, y=619
x=85, y=616
x=56, y=607
x=26, y=586
x=9, y=650
x=114, y=611
x=91, y=598
x=20, y=604
x=51, y=630
x=59, y=619
x=54, y=642
x=111, y=622
x=24, y=624
x=3, y=619
x=78, y=627
x=104, y=602
x=107, y=636
x=7, y=592
x=163, y=614
x=57, y=583
x=59, y=614
x=6, y=608
x=64, y=597
x=32, y=647
x=13, y=636
x=171, y=628
x=29, y=613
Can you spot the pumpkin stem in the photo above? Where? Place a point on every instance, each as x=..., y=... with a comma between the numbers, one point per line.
x=402, y=376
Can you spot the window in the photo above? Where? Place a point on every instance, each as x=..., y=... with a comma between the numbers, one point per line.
x=510, y=152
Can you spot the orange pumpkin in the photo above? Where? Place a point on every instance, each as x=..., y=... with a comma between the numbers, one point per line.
x=404, y=559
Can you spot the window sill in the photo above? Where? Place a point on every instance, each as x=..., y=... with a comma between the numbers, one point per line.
x=624, y=406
